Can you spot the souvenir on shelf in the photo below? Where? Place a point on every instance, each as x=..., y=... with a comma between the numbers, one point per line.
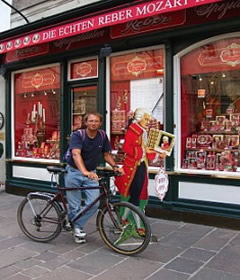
x=217, y=144
x=118, y=121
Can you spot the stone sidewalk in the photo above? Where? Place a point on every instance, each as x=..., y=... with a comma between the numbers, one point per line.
x=184, y=251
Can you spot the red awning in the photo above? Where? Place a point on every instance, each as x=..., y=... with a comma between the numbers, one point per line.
x=87, y=24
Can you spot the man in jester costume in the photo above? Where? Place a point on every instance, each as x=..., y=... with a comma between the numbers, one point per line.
x=133, y=185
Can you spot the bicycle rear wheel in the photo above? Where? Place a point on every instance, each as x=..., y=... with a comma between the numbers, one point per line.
x=39, y=219
x=125, y=228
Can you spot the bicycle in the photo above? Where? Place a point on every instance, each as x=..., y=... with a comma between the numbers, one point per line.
x=122, y=226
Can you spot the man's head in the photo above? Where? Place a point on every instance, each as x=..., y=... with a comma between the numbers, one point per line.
x=142, y=116
x=93, y=120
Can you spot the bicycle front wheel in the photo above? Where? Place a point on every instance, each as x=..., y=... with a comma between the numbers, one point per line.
x=124, y=228
x=39, y=219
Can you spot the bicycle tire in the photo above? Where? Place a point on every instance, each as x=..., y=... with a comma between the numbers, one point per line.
x=122, y=235
x=45, y=225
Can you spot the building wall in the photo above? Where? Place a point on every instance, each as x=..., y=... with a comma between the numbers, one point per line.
x=35, y=10
x=2, y=131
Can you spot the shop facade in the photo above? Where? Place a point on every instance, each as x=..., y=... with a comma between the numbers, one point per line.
x=183, y=65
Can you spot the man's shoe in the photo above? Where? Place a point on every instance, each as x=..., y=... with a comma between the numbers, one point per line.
x=79, y=240
x=78, y=232
x=79, y=236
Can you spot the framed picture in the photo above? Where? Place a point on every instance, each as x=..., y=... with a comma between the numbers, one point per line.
x=161, y=141
x=235, y=118
x=217, y=138
x=234, y=140
x=228, y=125
x=220, y=119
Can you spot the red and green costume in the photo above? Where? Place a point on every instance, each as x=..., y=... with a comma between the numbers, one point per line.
x=135, y=162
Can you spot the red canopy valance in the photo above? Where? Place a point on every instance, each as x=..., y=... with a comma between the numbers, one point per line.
x=110, y=18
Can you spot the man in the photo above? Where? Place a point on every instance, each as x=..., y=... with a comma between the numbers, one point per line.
x=85, y=150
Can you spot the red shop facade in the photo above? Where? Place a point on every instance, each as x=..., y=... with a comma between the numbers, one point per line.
x=179, y=59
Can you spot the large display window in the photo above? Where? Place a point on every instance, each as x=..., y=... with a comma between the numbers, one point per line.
x=36, y=128
x=136, y=81
x=210, y=107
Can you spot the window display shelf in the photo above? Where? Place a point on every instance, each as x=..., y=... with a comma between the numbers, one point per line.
x=213, y=150
x=218, y=132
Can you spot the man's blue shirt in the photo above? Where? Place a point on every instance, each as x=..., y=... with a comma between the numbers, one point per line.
x=91, y=149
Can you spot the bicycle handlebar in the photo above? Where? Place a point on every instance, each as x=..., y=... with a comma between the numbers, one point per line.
x=105, y=174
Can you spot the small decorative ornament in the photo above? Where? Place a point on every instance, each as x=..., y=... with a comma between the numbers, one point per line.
x=161, y=184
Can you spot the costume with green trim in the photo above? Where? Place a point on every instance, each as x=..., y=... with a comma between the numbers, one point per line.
x=134, y=155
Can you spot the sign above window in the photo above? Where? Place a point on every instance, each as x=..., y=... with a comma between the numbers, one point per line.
x=110, y=18
x=84, y=69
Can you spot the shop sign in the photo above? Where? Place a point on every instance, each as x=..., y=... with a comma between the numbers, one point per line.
x=89, y=38
x=84, y=69
x=231, y=55
x=133, y=66
x=218, y=56
x=197, y=15
x=136, y=66
x=35, y=80
x=27, y=52
x=115, y=17
x=149, y=24
x=217, y=11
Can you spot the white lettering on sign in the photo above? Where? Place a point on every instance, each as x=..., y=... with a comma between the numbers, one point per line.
x=49, y=35
x=77, y=27
x=113, y=17
x=160, y=5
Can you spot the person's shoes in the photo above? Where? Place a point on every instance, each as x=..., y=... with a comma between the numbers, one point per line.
x=79, y=236
x=79, y=240
x=125, y=222
x=79, y=232
x=141, y=232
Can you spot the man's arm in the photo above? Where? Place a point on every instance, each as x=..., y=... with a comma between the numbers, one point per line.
x=109, y=159
x=78, y=160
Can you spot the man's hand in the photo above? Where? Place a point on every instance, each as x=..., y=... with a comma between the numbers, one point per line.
x=91, y=175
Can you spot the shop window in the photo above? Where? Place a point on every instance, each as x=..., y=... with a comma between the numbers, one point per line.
x=36, y=113
x=210, y=102
x=84, y=101
x=136, y=81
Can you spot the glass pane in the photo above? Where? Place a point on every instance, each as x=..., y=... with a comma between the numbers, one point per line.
x=137, y=81
x=84, y=101
x=210, y=101
x=36, y=113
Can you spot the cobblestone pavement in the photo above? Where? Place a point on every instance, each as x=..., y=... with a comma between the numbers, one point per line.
x=183, y=251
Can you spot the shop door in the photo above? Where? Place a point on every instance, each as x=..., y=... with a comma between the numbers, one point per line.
x=84, y=100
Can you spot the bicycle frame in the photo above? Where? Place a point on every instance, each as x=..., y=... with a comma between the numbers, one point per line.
x=59, y=196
